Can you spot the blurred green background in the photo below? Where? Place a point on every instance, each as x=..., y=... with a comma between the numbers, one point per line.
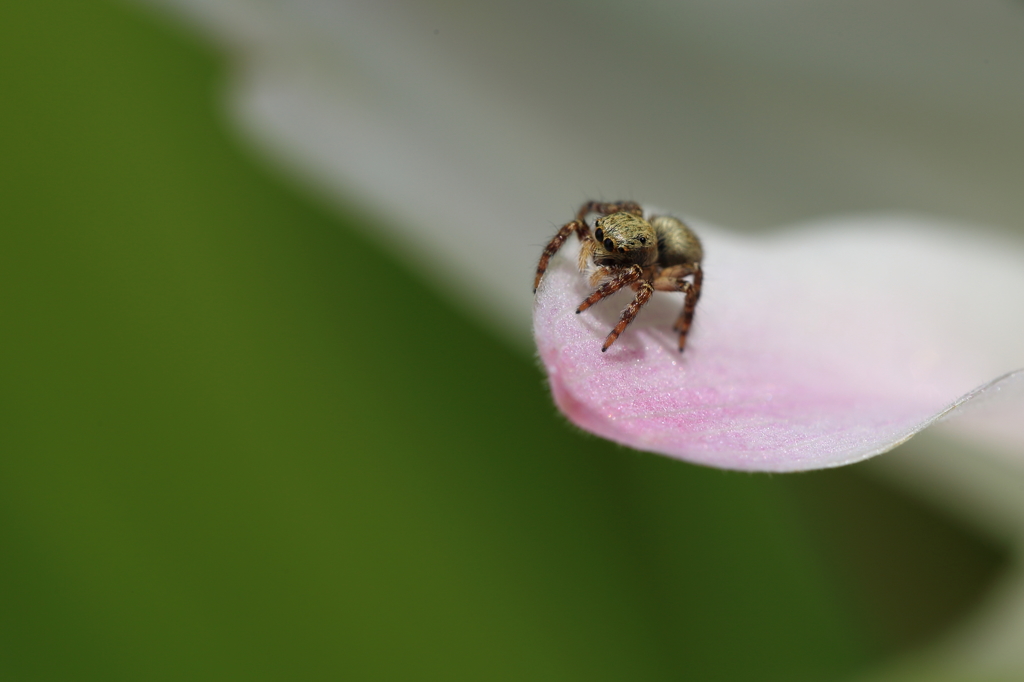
x=242, y=441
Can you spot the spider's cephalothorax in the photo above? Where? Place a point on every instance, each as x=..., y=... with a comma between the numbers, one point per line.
x=625, y=249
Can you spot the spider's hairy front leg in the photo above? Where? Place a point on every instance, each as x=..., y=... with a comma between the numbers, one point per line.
x=579, y=226
x=643, y=295
x=632, y=274
x=671, y=279
x=607, y=208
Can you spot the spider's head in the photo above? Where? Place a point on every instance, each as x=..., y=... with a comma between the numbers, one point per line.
x=624, y=239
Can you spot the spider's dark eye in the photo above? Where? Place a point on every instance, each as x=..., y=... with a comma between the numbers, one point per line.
x=643, y=240
x=599, y=234
x=609, y=245
x=622, y=249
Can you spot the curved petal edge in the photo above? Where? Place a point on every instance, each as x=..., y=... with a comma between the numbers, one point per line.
x=813, y=349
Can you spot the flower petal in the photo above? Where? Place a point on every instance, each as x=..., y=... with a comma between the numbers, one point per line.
x=821, y=347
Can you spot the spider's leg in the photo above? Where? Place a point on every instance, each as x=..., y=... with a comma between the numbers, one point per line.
x=611, y=286
x=643, y=295
x=582, y=231
x=671, y=279
x=607, y=208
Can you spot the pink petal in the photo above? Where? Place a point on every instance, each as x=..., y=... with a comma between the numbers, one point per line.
x=814, y=349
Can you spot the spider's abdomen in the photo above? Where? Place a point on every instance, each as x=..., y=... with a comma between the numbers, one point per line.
x=677, y=244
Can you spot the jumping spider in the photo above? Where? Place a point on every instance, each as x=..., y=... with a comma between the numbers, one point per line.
x=626, y=250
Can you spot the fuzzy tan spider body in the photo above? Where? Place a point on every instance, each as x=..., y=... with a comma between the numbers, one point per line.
x=625, y=249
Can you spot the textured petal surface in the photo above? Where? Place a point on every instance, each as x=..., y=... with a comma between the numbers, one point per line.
x=818, y=348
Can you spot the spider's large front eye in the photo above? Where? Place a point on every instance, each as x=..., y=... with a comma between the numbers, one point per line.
x=608, y=244
x=599, y=234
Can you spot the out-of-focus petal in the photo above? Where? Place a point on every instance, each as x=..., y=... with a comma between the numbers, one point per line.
x=470, y=131
x=820, y=347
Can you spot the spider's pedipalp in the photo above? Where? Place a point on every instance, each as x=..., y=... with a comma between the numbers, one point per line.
x=611, y=286
x=587, y=249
